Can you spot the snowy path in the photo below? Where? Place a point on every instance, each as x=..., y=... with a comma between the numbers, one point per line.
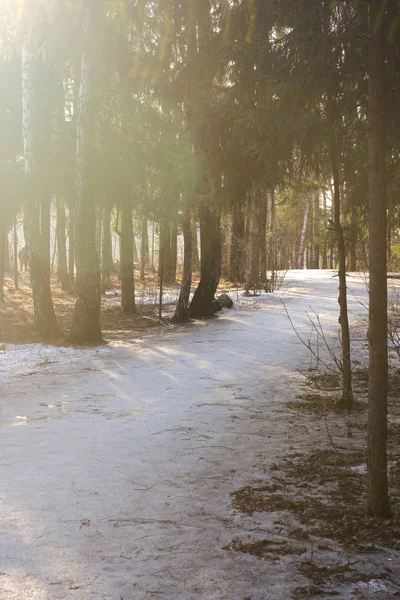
x=117, y=463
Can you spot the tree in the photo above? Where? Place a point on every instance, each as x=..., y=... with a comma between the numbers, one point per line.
x=86, y=319
x=378, y=499
x=34, y=72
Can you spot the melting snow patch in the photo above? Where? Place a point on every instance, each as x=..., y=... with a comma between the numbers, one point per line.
x=373, y=585
x=359, y=469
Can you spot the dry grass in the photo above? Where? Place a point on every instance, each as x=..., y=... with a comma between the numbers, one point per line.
x=16, y=314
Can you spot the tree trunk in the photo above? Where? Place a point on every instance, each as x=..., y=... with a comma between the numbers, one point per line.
x=378, y=498
x=144, y=249
x=237, y=271
x=71, y=241
x=210, y=239
x=106, y=250
x=253, y=280
x=347, y=394
x=174, y=251
x=300, y=256
x=153, y=234
x=45, y=230
x=135, y=250
x=272, y=241
x=3, y=237
x=353, y=240
x=45, y=318
x=15, y=253
x=263, y=209
x=61, y=246
x=325, y=244
x=86, y=319
x=195, y=246
x=182, y=309
x=127, y=267
x=316, y=226
x=168, y=244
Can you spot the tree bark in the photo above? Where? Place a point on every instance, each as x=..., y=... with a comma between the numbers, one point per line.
x=174, y=251
x=237, y=271
x=195, y=246
x=106, y=250
x=86, y=319
x=144, y=249
x=300, y=256
x=127, y=268
x=325, y=243
x=263, y=210
x=347, y=393
x=378, y=498
x=182, y=309
x=353, y=240
x=15, y=252
x=272, y=254
x=3, y=236
x=315, y=235
x=253, y=280
x=210, y=239
x=71, y=241
x=44, y=315
x=61, y=246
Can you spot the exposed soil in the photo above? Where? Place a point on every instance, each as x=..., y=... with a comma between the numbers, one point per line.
x=16, y=314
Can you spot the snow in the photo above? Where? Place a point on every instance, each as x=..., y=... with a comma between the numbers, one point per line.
x=117, y=463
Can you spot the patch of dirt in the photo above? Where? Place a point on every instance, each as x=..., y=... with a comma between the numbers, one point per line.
x=268, y=549
x=327, y=494
x=313, y=591
x=321, y=403
x=16, y=314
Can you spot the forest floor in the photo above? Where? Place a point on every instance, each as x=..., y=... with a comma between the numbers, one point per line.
x=195, y=462
x=16, y=314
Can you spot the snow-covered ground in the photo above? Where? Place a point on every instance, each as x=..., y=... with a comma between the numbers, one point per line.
x=117, y=463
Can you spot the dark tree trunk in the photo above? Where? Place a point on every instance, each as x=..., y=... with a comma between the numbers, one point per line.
x=144, y=249
x=153, y=233
x=347, y=394
x=86, y=319
x=253, y=280
x=237, y=270
x=3, y=236
x=263, y=209
x=389, y=236
x=195, y=245
x=168, y=234
x=272, y=253
x=174, y=251
x=32, y=78
x=325, y=244
x=15, y=253
x=315, y=234
x=135, y=250
x=169, y=256
x=353, y=240
x=61, y=246
x=71, y=241
x=45, y=229
x=378, y=498
x=127, y=267
x=210, y=239
x=106, y=250
x=182, y=309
